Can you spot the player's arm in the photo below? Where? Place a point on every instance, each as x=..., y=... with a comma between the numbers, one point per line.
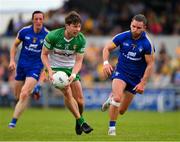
x=107, y=68
x=148, y=71
x=13, y=51
x=77, y=66
x=44, y=57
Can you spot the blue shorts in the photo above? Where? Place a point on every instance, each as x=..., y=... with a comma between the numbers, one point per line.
x=130, y=82
x=23, y=72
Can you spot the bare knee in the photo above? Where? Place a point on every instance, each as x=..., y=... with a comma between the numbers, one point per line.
x=116, y=99
x=24, y=95
x=66, y=92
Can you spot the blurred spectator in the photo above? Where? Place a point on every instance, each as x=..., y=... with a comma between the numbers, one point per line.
x=136, y=7
x=163, y=71
x=175, y=63
x=19, y=23
x=176, y=19
x=10, y=30
x=103, y=17
x=6, y=99
x=154, y=24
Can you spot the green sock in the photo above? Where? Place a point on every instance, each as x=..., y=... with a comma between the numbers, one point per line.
x=80, y=120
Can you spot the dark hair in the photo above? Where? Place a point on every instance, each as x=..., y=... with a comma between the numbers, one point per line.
x=73, y=18
x=140, y=18
x=35, y=12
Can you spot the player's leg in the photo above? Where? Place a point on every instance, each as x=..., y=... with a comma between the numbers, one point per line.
x=118, y=87
x=126, y=101
x=70, y=102
x=17, y=88
x=78, y=95
x=23, y=100
x=73, y=107
x=19, y=81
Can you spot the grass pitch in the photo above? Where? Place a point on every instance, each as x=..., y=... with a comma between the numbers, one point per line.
x=58, y=125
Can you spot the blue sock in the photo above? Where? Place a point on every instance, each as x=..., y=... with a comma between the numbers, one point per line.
x=13, y=121
x=112, y=123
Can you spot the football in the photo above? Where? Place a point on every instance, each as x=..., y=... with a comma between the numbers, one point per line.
x=60, y=79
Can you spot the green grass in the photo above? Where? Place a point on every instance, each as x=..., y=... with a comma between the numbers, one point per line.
x=58, y=125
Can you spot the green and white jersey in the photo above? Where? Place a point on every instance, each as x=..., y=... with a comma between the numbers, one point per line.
x=63, y=50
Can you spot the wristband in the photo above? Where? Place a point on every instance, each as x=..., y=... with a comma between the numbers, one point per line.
x=105, y=62
x=74, y=75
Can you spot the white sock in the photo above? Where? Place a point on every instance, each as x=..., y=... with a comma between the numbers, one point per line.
x=112, y=128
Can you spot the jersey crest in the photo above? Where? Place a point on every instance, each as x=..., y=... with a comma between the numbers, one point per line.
x=34, y=39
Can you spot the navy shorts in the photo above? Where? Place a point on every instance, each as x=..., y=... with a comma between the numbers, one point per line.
x=23, y=72
x=131, y=82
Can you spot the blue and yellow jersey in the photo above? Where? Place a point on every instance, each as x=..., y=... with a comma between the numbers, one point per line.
x=30, y=54
x=131, y=60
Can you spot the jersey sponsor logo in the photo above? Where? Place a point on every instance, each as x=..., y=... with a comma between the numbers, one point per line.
x=63, y=53
x=131, y=56
x=33, y=45
x=32, y=49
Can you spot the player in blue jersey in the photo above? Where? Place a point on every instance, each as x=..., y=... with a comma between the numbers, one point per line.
x=134, y=67
x=29, y=65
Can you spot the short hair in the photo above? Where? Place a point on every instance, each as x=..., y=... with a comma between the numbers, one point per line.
x=35, y=12
x=140, y=18
x=73, y=18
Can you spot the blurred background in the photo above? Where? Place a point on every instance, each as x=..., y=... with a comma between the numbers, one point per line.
x=102, y=19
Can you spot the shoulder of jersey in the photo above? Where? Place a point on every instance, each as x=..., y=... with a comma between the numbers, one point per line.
x=25, y=28
x=56, y=32
x=81, y=36
x=46, y=30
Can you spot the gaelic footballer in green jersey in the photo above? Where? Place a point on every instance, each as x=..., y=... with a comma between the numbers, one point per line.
x=63, y=50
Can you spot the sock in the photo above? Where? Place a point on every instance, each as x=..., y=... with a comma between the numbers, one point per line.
x=112, y=123
x=37, y=88
x=80, y=120
x=14, y=120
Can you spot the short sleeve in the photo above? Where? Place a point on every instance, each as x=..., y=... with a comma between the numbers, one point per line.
x=117, y=39
x=81, y=45
x=149, y=48
x=21, y=34
x=48, y=41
